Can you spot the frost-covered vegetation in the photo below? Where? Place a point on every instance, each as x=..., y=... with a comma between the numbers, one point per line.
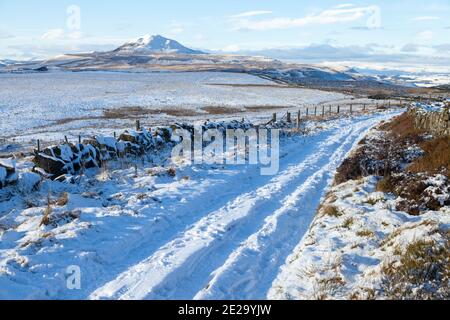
x=382, y=232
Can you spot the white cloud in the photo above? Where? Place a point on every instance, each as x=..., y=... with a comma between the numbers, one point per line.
x=5, y=35
x=61, y=34
x=412, y=55
x=53, y=34
x=176, y=30
x=330, y=16
x=199, y=37
x=75, y=35
x=344, y=5
x=426, y=18
x=232, y=48
x=251, y=14
x=425, y=35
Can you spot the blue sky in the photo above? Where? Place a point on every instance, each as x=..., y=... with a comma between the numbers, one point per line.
x=411, y=27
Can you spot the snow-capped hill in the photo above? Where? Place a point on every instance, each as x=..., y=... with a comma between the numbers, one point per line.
x=155, y=44
x=7, y=62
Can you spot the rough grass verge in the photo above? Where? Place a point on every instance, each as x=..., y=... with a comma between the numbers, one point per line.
x=422, y=273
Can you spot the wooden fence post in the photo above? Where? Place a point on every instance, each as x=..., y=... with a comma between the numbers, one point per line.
x=307, y=112
x=289, y=120
x=274, y=117
x=65, y=139
x=79, y=139
x=299, y=115
x=338, y=109
x=329, y=111
x=323, y=111
x=351, y=108
x=315, y=111
x=138, y=125
x=38, y=145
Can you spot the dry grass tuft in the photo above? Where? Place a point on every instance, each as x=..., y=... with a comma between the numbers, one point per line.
x=348, y=223
x=47, y=212
x=331, y=211
x=423, y=272
x=365, y=234
x=386, y=185
x=63, y=200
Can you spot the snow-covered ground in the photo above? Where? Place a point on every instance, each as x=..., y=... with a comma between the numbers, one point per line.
x=138, y=233
x=346, y=251
x=69, y=103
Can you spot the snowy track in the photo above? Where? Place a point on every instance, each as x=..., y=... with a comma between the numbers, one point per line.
x=242, y=236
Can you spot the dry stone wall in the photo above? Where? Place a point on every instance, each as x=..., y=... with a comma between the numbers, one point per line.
x=435, y=121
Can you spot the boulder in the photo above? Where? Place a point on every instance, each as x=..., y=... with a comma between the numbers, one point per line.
x=90, y=157
x=137, y=142
x=7, y=172
x=106, y=147
x=52, y=165
x=29, y=182
x=165, y=134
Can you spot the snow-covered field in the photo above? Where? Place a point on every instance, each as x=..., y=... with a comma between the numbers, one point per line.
x=49, y=103
x=211, y=232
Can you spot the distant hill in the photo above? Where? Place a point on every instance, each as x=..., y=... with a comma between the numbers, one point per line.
x=154, y=44
x=157, y=53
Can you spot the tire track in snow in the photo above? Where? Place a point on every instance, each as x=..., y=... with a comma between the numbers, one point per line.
x=250, y=270
x=185, y=282
x=160, y=273
x=208, y=226
x=137, y=246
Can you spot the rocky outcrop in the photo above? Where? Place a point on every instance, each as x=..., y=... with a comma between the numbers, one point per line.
x=433, y=120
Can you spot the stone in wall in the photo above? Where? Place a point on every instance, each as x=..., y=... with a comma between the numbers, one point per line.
x=435, y=121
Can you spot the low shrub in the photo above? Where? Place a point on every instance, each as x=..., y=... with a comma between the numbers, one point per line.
x=422, y=272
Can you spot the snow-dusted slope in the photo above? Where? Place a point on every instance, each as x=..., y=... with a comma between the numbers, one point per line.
x=345, y=256
x=154, y=44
